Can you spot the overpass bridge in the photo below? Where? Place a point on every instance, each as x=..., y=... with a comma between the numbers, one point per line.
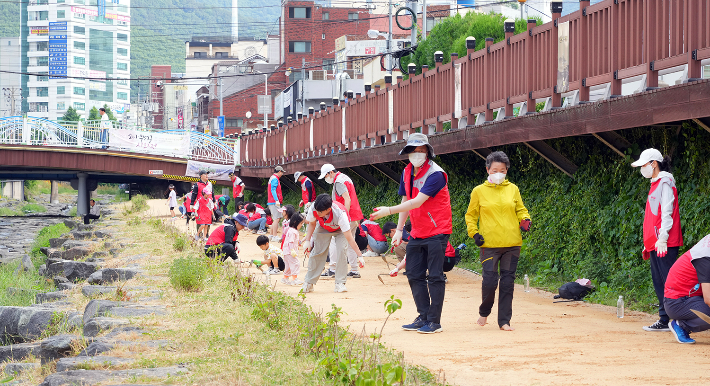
x=614, y=65
x=36, y=148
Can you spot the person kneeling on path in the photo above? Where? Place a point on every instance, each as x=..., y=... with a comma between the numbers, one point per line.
x=376, y=240
x=273, y=257
x=327, y=220
x=498, y=207
x=94, y=212
x=426, y=201
x=223, y=242
x=687, y=289
x=257, y=218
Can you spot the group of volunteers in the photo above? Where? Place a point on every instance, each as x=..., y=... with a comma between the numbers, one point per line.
x=337, y=233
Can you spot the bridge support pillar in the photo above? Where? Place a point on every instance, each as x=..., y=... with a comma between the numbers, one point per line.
x=82, y=204
x=54, y=192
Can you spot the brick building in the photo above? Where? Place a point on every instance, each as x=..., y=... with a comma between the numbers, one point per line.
x=308, y=31
x=157, y=73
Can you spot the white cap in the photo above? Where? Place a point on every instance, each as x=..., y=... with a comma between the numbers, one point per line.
x=296, y=176
x=647, y=156
x=325, y=169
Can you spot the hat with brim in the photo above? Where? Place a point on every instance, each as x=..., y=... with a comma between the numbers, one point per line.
x=240, y=219
x=647, y=156
x=415, y=140
x=296, y=176
x=279, y=169
x=201, y=172
x=325, y=169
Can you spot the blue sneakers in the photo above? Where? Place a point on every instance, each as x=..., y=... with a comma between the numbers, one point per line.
x=414, y=326
x=680, y=334
x=430, y=328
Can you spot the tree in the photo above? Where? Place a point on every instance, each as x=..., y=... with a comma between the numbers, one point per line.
x=71, y=115
x=94, y=114
x=450, y=35
x=111, y=117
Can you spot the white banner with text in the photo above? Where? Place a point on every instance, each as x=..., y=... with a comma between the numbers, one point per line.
x=175, y=145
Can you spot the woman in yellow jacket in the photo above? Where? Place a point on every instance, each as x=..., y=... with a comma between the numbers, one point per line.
x=494, y=219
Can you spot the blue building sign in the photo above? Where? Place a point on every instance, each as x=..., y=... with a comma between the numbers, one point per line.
x=220, y=121
x=57, y=50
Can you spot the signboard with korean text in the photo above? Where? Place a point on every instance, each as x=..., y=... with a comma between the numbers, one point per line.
x=88, y=74
x=139, y=141
x=216, y=171
x=57, y=50
x=155, y=172
x=220, y=122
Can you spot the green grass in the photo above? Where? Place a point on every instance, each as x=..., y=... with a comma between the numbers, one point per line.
x=7, y=212
x=29, y=281
x=45, y=187
x=42, y=239
x=188, y=274
x=139, y=203
x=33, y=208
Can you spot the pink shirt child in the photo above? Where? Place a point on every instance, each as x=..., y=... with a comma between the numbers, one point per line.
x=290, y=250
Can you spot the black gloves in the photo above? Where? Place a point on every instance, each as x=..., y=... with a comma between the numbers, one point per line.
x=478, y=239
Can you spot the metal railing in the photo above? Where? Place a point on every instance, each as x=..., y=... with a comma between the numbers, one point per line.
x=34, y=131
x=615, y=47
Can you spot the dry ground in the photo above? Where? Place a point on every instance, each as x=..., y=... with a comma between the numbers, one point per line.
x=553, y=344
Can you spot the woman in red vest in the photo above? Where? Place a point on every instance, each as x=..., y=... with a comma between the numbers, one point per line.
x=662, y=236
x=425, y=200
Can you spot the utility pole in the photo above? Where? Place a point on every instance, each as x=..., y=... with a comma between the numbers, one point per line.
x=389, y=40
x=414, y=26
x=424, y=15
x=303, y=85
x=266, y=92
x=221, y=104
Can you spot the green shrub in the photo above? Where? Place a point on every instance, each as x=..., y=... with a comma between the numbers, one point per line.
x=188, y=274
x=72, y=211
x=36, y=208
x=139, y=203
x=48, y=232
x=27, y=283
x=180, y=244
x=9, y=212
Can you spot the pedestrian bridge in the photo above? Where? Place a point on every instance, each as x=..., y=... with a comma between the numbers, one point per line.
x=38, y=148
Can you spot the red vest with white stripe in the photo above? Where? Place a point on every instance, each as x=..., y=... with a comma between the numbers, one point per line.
x=652, y=219
x=374, y=230
x=278, y=190
x=217, y=236
x=304, y=190
x=434, y=216
x=329, y=224
x=355, y=212
x=237, y=187
x=682, y=276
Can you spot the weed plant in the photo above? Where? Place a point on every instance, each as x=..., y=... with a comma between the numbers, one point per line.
x=33, y=208
x=139, y=203
x=9, y=212
x=188, y=274
x=46, y=233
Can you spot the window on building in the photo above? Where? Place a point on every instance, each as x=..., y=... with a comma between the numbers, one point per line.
x=299, y=12
x=328, y=64
x=79, y=16
x=122, y=95
x=122, y=66
x=326, y=15
x=353, y=15
x=233, y=122
x=299, y=47
x=122, y=51
x=323, y=37
x=101, y=57
x=61, y=14
x=79, y=60
x=60, y=90
x=43, y=61
x=80, y=45
x=41, y=46
x=296, y=75
x=42, y=91
x=221, y=54
x=43, y=77
x=61, y=1
x=93, y=2
x=122, y=37
x=79, y=106
x=79, y=30
x=79, y=91
x=61, y=106
x=43, y=15
x=199, y=55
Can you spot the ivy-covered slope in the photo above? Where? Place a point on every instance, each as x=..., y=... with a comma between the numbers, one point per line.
x=589, y=226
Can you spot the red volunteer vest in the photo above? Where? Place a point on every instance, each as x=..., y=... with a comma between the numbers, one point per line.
x=217, y=236
x=450, y=251
x=329, y=223
x=652, y=218
x=355, y=212
x=237, y=187
x=374, y=230
x=304, y=190
x=186, y=204
x=278, y=190
x=204, y=213
x=682, y=276
x=434, y=216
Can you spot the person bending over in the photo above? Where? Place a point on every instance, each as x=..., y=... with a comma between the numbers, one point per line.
x=223, y=242
x=273, y=257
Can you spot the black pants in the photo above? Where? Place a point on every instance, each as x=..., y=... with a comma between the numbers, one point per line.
x=493, y=259
x=89, y=217
x=659, y=272
x=422, y=255
x=222, y=251
x=680, y=310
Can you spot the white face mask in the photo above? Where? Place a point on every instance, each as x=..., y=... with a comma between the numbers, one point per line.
x=496, y=178
x=417, y=159
x=329, y=179
x=647, y=170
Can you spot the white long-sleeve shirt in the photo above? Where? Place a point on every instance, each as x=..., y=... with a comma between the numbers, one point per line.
x=667, y=206
x=95, y=210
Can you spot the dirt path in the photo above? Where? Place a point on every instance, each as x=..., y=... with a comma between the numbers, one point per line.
x=553, y=344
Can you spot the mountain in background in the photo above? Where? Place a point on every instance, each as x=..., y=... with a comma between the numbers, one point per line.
x=159, y=28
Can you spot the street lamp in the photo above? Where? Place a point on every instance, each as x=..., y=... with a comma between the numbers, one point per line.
x=374, y=34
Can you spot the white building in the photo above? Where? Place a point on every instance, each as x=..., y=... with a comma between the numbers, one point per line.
x=10, y=84
x=68, y=42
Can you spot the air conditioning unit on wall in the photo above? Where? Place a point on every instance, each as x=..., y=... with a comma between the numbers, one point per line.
x=317, y=74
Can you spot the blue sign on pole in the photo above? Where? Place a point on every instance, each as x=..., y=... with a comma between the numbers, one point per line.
x=220, y=121
x=58, y=50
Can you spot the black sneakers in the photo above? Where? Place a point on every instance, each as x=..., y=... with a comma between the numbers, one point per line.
x=354, y=274
x=416, y=325
x=658, y=326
